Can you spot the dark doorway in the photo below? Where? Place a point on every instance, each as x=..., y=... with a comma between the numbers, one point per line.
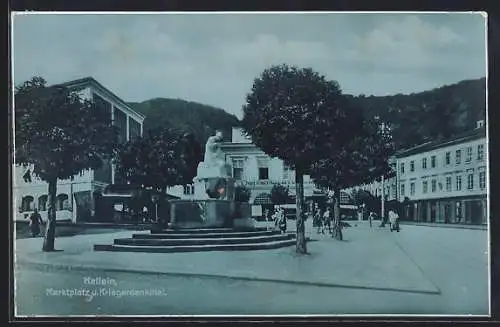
x=433, y=212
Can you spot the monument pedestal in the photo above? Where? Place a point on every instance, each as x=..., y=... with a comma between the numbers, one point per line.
x=213, y=205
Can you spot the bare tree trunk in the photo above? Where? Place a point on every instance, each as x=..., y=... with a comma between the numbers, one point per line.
x=299, y=200
x=50, y=231
x=337, y=227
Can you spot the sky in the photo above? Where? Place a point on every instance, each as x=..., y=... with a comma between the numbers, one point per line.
x=214, y=58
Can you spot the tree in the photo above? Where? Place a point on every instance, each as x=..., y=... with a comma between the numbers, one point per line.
x=242, y=193
x=279, y=194
x=162, y=158
x=59, y=135
x=360, y=161
x=287, y=114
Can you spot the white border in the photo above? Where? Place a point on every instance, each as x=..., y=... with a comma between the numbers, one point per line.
x=103, y=317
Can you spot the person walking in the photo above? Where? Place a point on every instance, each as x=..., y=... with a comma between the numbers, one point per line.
x=282, y=220
x=393, y=221
x=326, y=222
x=35, y=222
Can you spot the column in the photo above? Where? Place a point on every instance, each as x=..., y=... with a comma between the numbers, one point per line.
x=128, y=128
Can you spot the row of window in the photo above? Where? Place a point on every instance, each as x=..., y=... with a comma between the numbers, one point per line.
x=448, y=184
x=263, y=168
x=28, y=203
x=447, y=158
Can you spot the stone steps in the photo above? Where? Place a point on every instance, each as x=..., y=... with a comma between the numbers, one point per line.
x=205, y=230
x=185, y=234
x=196, y=248
x=203, y=241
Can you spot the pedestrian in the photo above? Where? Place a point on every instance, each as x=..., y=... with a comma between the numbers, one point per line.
x=275, y=218
x=282, y=220
x=35, y=222
x=371, y=217
x=326, y=221
x=393, y=221
x=319, y=220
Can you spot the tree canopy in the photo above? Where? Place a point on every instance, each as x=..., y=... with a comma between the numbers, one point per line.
x=290, y=110
x=279, y=194
x=360, y=161
x=161, y=159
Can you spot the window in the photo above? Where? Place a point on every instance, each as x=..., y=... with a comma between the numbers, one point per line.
x=480, y=152
x=424, y=163
x=263, y=174
x=412, y=166
x=287, y=173
x=62, y=202
x=458, y=156
x=238, y=169
x=188, y=189
x=433, y=162
x=402, y=167
x=394, y=191
x=27, y=203
x=448, y=183
x=459, y=183
x=433, y=185
x=412, y=188
x=263, y=164
x=42, y=203
x=402, y=189
x=470, y=181
x=469, y=154
x=447, y=158
x=424, y=186
x=482, y=180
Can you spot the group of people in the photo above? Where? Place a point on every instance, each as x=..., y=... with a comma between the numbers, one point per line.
x=322, y=220
x=278, y=218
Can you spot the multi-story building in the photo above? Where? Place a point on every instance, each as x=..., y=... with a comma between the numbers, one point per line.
x=445, y=181
x=76, y=197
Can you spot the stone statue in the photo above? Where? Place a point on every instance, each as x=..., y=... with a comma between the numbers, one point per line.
x=214, y=157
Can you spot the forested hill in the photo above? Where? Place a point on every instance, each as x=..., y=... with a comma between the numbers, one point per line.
x=202, y=120
x=438, y=113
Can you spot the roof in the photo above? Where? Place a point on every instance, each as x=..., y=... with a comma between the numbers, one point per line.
x=86, y=81
x=470, y=135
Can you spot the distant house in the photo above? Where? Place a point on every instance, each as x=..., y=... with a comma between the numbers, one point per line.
x=76, y=199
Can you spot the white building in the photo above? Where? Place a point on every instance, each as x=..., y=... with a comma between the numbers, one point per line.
x=446, y=181
x=76, y=198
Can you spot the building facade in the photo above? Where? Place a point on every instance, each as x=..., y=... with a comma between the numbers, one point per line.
x=254, y=169
x=445, y=181
x=77, y=197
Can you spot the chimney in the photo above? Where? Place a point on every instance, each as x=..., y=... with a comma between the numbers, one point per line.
x=479, y=123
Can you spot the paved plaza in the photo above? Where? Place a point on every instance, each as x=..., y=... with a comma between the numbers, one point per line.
x=421, y=270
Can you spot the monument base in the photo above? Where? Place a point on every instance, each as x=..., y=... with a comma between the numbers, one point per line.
x=211, y=213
